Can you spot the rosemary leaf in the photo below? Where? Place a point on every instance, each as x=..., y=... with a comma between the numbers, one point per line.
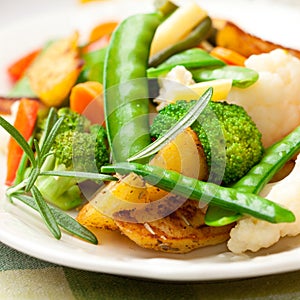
x=45, y=212
x=34, y=174
x=22, y=165
x=50, y=121
x=50, y=137
x=64, y=220
x=190, y=117
x=17, y=136
x=82, y=175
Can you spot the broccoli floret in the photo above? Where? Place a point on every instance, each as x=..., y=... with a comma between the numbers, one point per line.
x=78, y=146
x=240, y=139
x=73, y=120
x=101, y=147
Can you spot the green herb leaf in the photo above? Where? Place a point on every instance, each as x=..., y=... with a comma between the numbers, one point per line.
x=50, y=121
x=180, y=126
x=64, y=220
x=22, y=165
x=34, y=174
x=45, y=212
x=82, y=175
x=50, y=137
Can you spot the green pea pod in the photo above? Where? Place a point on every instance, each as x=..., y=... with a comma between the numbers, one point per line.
x=126, y=86
x=192, y=58
x=275, y=157
x=199, y=33
x=191, y=188
x=93, y=66
x=242, y=77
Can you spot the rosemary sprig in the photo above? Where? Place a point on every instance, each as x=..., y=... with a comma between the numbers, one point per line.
x=52, y=217
x=63, y=220
x=186, y=121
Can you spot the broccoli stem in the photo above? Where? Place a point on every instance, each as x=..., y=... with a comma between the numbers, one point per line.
x=63, y=192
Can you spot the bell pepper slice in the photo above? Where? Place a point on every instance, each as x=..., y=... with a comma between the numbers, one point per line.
x=25, y=123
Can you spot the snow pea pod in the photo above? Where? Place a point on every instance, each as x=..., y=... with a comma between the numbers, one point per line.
x=275, y=157
x=242, y=77
x=191, y=188
x=93, y=66
x=126, y=86
x=199, y=33
x=191, y=58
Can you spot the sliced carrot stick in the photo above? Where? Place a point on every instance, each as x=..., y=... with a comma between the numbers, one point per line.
x=229, y=56
x=86, y=98
x=25, y=122
x=17, y=68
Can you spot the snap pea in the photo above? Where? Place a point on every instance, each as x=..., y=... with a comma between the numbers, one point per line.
x=191, y=58
x=254, y=181
x=93, y=66
x=242, y=77
x=229, y=198
x=126, y=86
x=198, y=34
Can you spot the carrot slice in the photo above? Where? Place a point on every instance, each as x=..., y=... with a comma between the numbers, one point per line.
x=86, y=98
x=98, y=44
x=25, y=122
x=229, y=56
x=17, y=69
x=101, y=30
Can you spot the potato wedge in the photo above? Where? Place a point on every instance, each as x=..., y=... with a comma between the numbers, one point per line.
x=184, y=155
x=55, y=71
x=231, y=36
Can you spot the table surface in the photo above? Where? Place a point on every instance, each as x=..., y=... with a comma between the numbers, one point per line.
x=24, y=277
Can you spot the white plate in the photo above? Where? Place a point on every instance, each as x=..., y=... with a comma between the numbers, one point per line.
x=22, y=229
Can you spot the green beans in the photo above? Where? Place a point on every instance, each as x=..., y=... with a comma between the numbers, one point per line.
x=228, y=198
x=192, y=40
x=241, y=77
x=126, y=85
x=254, y=181
x=191, y=58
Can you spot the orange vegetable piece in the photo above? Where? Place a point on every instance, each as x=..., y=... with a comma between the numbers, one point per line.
x=25, y=122
x=229, y=56
x=86, y=98
x=101, y=30
x=98, y=44
x=17, y=69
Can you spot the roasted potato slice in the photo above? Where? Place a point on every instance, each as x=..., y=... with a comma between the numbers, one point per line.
x=55, y=71
x=184, y=155
x=90, y=216
x=180, y=232
x=231, y=36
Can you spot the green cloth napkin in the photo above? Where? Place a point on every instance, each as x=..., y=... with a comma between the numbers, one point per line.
x=24, y=277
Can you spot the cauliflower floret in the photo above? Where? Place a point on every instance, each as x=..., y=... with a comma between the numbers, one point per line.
x=273, y=101
x=252, y=234
x=175, y=81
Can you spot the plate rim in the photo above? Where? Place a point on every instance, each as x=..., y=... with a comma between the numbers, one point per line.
x=169, y=275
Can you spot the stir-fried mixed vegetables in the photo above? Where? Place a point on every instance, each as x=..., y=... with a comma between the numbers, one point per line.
x=163, y=127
